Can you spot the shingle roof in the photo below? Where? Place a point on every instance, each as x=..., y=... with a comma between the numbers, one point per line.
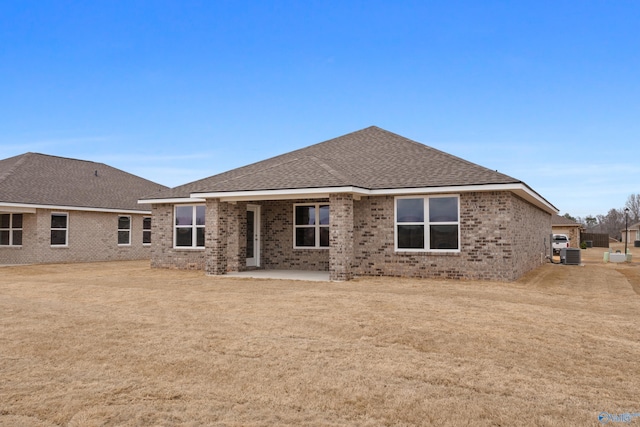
x=40, y=179
x=560, y=220
x=371, y=158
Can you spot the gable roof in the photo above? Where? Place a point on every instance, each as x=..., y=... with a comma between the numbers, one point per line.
x=40, y=180
x=371, y=159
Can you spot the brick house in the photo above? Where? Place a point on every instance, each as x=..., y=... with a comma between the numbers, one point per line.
x=562, y=225
x=55, y=209
x=632, y=234
x=366, y=203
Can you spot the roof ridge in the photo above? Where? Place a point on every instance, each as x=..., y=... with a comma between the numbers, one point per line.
x=69, y=158
x=372, y=158
x=41, y=179
x=249, y=173
x=9, y=172
x=288, y=157
x=334, y=172
x=444, y=153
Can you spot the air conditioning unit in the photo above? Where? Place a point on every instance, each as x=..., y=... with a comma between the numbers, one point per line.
x=570, y=256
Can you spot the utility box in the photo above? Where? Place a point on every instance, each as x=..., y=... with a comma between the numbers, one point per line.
x=570, y=256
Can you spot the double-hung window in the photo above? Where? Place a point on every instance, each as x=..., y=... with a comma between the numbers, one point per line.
x=11, y=229
x=124, y=230
x=311, y=226
x=146, y=230
x=427, y=224
x=189, y=226
x=59, y=229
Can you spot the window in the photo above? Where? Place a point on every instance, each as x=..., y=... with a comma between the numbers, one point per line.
x=146, y=231
x=189, y=226
x=124, y=230
x=11, y=229
x=311, y=226
x=59, y=229
x=427, y=223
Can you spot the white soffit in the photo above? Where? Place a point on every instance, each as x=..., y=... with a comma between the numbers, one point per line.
x=31, y=208
x=520, y=189
x=176, y=200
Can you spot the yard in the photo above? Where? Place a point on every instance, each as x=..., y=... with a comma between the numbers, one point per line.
x=112, y=344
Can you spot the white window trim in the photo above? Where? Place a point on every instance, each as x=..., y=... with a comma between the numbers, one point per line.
x=66, y=230
x=425, y=223
x=11, y=229
x=317, y=226
x=193, y=226
x=124, y=229
x=144, y=230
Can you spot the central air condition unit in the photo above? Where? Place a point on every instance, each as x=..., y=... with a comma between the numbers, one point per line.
x=570, y=256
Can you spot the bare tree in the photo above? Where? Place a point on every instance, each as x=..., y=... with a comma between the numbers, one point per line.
x=633, y=204
x=613, y=222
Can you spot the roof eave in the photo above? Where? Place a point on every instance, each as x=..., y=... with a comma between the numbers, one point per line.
x=171, y=200
x=31, y=208
x=518, y=188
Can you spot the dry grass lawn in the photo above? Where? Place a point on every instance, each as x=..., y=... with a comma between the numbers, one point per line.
x=119, y=344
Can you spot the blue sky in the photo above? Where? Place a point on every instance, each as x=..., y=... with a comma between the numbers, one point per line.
x=174, y=91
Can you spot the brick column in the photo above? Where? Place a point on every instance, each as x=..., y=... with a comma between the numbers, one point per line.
x=161, y=234
x=236, y=236
x=340, y=237
x=216, y=237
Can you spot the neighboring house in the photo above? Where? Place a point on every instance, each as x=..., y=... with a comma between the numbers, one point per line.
x=632, y=234
x=54, y=209
x=562, y=225
x=365, y=204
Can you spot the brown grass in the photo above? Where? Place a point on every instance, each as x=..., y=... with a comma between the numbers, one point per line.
x=110, y=344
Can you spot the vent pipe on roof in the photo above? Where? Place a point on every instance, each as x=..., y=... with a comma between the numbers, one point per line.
x=96, y=173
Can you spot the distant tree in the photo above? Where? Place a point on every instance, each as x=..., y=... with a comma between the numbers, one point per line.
x=590, y=222
x=633, y=204
x=570, y=217
x=613, y=222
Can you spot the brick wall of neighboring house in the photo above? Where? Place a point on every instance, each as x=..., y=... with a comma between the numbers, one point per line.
x=163, y=254
x=502, y=237
x=92, y=236
x=572, y=232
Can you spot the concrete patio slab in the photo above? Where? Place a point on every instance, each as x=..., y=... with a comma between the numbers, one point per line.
x=317, y=276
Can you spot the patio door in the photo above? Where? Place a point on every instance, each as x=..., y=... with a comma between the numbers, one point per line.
x=253, y=236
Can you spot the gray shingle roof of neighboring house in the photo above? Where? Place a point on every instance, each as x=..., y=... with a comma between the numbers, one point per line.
x=40, y=179
x=560, y=220
x=371, y=158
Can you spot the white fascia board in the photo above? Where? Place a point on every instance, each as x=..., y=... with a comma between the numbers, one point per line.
x=31, y=208
x=177, y=200
x=15, y=208
x=294, y=193
x=449, y=189
x=518, y=188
